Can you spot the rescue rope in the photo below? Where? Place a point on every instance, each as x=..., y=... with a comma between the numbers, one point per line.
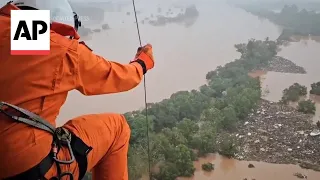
x=145, y=93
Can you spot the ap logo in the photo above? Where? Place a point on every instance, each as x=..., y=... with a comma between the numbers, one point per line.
x=30, y=32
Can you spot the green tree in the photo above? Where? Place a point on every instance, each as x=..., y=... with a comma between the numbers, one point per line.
x=188, y=128
x=307, y=107
x=138, y=127
x=228, y=146
x=293, y=93
x=219, y=85
x=205, y=140
x=315, y=88
x=183, y=161
x=208, y=91
x=179, y=164
x=213, y=115
x=137, y=162
x=242, y=105
x=207, y=167
x=168, y=171
x=230, y=118
x=174, y=136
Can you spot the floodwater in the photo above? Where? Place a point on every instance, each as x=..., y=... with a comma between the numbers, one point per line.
x=183, y=57
x=230, y=169
x=304, y=53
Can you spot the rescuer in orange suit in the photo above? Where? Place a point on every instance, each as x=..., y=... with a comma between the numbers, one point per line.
x=40, y=84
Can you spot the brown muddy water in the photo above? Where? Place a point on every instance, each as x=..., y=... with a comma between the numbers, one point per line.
x=230, y=169
x=304, y=53
x=183, y=57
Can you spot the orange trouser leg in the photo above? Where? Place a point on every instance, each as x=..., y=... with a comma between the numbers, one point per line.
x=108, y=135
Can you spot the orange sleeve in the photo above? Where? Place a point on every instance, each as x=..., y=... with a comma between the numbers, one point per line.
x=97, y=75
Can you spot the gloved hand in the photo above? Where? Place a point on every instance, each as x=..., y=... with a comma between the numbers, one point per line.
x=145, y=56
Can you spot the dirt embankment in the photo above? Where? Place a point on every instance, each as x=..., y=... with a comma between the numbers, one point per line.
x=276, y=133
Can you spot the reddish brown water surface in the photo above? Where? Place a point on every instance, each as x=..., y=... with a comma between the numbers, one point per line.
x=230, y=169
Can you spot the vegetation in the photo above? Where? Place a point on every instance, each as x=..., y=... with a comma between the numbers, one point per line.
x=293, y=93
x=315, y=88
x=228, y=146
x=208, y=167
x=294, y=21
x=189, y=121
x=307, y=107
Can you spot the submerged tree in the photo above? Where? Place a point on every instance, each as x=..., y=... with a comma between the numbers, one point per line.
x=207, y=167
x=307, y=107
x=315, y=88
x=293, y=93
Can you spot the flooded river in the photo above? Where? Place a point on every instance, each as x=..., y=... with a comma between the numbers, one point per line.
x=304, y=53
x=183, y=57
x=230, y=169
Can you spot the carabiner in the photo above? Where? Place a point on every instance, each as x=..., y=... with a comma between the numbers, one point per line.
x=70, y=153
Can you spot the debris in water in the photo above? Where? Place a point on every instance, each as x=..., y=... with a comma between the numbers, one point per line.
x=280, y=64
x=315, y=132
x=251, y=166
x=284, y=138
x=301, y=176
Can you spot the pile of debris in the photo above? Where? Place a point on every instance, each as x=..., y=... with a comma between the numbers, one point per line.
x=276, y=133
x=280, y=64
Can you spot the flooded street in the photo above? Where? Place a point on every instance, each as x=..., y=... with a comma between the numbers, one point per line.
x=230, y=169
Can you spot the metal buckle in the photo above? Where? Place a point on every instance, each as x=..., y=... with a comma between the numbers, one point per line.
x=63, y=137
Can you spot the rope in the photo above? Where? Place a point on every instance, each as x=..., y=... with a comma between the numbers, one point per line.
x=145, y=93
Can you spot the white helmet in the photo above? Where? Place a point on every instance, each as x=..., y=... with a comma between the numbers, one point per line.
x=60, y=10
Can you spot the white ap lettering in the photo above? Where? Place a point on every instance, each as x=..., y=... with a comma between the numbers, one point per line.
x=26, y=33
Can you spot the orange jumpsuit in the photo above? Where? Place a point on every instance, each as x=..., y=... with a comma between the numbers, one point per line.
x=41, y=83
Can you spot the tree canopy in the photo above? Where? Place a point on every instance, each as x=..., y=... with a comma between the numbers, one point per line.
x=294, y=21
x=189, y=121
x=187, y=124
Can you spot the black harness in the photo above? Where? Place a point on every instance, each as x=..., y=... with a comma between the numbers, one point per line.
x=78, y=150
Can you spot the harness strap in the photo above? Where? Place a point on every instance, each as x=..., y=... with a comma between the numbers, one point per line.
x=36, y=172
x=77, y=148
x=32, y=120
x=80, y=150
